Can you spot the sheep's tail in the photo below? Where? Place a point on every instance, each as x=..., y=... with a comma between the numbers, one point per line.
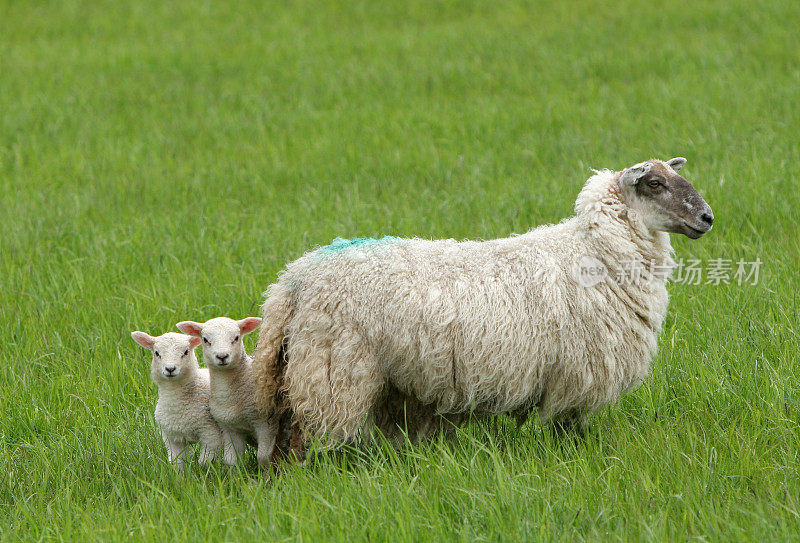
x=268, y=359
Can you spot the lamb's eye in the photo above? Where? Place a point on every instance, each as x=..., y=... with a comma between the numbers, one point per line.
x=235, y=339
x=653, y=183
x=186, y=352
x=156, y=353
x=205, y=340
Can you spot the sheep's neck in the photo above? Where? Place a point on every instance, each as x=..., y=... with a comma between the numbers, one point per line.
x=175, y=393
x=614, y=220
x=231, y=380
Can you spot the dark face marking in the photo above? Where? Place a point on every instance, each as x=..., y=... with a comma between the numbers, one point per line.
x=677, y=202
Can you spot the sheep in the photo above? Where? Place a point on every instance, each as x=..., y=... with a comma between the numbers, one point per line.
x=409, y=334
x=232, y=395
x=182, y=411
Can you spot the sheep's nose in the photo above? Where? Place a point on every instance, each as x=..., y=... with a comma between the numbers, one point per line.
x=170, y=369
x=222, y=357
x=707, y=217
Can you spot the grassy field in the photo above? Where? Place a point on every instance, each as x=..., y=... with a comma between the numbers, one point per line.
x=163, y=163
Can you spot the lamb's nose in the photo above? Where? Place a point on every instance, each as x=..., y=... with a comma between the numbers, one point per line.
x=222, y=358
x=170, y=369
x=707, y=217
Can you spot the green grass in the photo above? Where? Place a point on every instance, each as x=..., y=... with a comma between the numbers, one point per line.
x=160, y=164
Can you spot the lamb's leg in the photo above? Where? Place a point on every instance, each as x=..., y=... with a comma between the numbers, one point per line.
x=210, y=443
x=233, y=448
x=207, y=455
x=228, y=451
x=176, y=450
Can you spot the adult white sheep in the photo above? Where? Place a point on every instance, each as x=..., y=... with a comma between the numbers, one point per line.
x=182, y=410
x=232, y=401
x=546, y=320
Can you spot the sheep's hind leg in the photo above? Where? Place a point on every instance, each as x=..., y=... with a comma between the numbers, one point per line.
x=297, y=445
x=282, y=440
x=332, y=390
x=292, y=444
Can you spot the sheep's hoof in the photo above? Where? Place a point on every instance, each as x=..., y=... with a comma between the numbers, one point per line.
x=570, y=425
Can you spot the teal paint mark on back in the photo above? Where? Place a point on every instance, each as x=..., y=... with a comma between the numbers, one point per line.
x=341, y=244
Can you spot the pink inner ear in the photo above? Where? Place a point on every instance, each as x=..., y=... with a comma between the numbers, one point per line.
x=195, y=341
x=189, y=327
x=144, y=340
x=249, y=324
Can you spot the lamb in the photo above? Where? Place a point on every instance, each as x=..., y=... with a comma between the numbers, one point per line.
x=232, y=395
x=182, y=410
x=407, y=334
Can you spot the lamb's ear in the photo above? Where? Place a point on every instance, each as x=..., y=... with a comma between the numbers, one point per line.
x=676, y=163
x=632, y=175
x=190, y=328
x=145, y=340
x=195, y=341
x=249, y=324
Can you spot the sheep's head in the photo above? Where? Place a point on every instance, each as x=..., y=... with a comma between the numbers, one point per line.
x=173, y=355
x=222, y=339
x=664, y=200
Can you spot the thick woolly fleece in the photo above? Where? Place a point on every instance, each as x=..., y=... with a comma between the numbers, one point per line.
x=402, y=332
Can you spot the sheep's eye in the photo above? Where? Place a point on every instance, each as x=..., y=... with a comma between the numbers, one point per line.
x=235, y=339
x=156, y=353
x=653, y=183
x=205, y=340
x=186, y=352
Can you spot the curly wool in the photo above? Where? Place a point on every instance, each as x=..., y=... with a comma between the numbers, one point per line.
x=447, y=328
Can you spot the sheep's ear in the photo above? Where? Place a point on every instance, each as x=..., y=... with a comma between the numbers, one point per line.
x=632, y=175
x=195, y=341
x=249, y=324
x=190, y=328
x=145, y=340
x=676, y=163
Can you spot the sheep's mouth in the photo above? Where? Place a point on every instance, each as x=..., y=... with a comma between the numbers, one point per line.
x=692, y=232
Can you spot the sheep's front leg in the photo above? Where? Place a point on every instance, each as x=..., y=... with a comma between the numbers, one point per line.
x=234, y=443
x=570, y=423
x=210, y=445
x=176, y=450
x=265, y=435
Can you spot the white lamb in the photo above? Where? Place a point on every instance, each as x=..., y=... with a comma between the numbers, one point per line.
x=184, y=390
x=403, y=333
x=232, y=395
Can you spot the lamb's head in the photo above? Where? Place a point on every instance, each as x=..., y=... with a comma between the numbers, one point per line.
x=664, y=200
x=222, y=339
x=173, y=355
